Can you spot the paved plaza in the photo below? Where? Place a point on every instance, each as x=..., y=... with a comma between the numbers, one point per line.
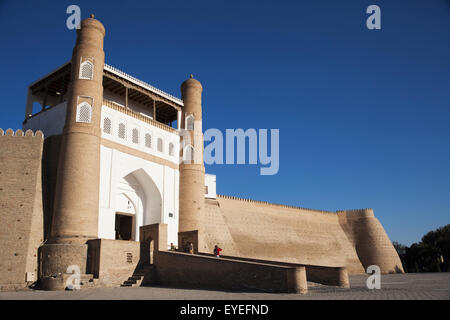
x=413, y=286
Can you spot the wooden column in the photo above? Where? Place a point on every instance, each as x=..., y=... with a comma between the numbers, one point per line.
x=45, y=98
x=126, y=97
x=179, y=120
x=154, y=110
x=29, y=106
x=63, y=91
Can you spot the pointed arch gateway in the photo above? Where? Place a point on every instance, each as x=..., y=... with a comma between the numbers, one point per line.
x=150, y=209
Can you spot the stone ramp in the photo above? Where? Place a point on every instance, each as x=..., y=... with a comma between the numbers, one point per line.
x=320, y=275
x=184, y=270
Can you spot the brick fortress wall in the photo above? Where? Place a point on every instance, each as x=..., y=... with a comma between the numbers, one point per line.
x=21, y=217
x=267, y=231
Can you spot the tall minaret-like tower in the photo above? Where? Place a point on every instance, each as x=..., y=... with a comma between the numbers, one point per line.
x=75, y=213
x=192, y=170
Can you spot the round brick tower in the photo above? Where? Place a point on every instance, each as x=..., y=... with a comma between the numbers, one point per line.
x=372, y=244
x=75, y=213
x=192, y=170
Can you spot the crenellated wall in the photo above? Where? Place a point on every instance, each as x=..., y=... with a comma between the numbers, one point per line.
x=21, y=217
x=262, y=230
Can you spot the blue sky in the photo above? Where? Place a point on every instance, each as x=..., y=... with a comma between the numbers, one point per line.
x=363, y=114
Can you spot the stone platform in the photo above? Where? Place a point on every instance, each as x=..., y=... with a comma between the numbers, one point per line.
x=412, y=286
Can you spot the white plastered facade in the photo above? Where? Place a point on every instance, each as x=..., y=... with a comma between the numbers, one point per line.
x=131, y=185
x=146, y=190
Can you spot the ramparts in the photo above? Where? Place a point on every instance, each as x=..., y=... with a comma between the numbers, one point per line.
x=370, y=240
x=21, y=227
x=260, y=230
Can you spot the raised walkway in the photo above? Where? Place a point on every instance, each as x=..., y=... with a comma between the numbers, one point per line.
x=412, y=286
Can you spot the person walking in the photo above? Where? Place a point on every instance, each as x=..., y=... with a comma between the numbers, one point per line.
x=217, y=251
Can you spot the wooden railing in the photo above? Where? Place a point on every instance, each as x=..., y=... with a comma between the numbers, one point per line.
x=136, y=115
x=143, y=84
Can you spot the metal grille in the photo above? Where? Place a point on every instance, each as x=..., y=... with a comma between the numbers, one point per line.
x=130, y=257
x=122, y=131
x=160, y=145
x=86, y=70
x=84, y=112
x=148, y=140
x=190, y=122
x=135, y=136
x=171, y=149
x=188, y=154
x=107, y=125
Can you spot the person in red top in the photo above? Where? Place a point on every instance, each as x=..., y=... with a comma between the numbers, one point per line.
x=217, y=251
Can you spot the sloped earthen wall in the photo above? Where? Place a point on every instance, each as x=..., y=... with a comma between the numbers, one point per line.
x=261, y=230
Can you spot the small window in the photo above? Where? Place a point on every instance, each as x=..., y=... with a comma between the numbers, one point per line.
x=130, y=257
x=160, y=145
x=188, y=154
x=107, y=125
x=84, y=112
x=87, y=70
x=148, y=140
x=171, y=147
x=122, y=131
x=190, y=122
x=206, y=189
x=135, y=136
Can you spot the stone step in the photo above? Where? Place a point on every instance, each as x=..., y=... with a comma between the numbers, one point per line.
x=88, y=284
x=138, y=276
x=131, y=284
x=142, y=271
x=145, y=268
x=87, y=281
x=86, y=277
x=133, y=281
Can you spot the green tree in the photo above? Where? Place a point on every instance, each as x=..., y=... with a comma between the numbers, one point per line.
x=432, y=254
x=401, y=251
x=437, y=243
